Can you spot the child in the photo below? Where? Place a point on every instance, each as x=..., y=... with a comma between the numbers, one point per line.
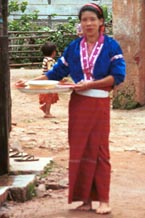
x=45, y=100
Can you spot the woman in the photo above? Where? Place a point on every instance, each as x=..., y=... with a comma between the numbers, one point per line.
x=95, y=63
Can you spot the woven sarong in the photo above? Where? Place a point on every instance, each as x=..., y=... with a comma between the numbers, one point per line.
x=89, y=166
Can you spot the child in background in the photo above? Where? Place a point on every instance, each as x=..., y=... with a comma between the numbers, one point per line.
x=45, y=100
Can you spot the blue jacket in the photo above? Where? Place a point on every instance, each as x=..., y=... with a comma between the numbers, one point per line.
x=109, y=62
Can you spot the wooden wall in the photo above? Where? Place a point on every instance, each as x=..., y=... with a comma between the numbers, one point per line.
x=60, y=7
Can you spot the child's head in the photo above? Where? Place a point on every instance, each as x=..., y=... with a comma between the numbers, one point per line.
x=48, y=49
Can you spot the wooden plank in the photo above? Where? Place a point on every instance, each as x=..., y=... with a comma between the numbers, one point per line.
x=29, y=32
x=25, y=45
x=68, y=2
x=26, y=64
x=63, y=10
x=29, y=37
x=51, y=9
x=26, y=57
x=38, y=2
x=28, y=51
x=59, y=7
x=54, y=2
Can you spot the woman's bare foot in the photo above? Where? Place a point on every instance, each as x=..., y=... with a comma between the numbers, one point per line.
x=103, y=208
x=85, y=207
x=49, y=116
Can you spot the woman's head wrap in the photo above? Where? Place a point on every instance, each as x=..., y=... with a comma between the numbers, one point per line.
x=95, y=8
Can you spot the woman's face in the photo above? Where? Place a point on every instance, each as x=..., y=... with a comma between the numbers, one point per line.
x=90, y=23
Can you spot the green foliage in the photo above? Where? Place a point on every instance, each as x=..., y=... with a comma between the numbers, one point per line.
x=125, y=99
x=107, y=14
x=15, y=6
x=108, y=19
x=31, y=191
x=25, y=22
x=105, y=11
x=48, y=169
x=63, y=34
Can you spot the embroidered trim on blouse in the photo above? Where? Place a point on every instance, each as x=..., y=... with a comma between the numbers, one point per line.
x=64, y=61
x=117, y=57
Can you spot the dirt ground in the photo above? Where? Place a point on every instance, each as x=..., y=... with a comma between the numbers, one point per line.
x=48, y=138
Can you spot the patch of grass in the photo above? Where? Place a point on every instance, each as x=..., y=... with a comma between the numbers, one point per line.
x=31, y=191
x=48, y=169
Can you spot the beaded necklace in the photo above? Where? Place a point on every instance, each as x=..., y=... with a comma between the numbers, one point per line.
x=87, y=61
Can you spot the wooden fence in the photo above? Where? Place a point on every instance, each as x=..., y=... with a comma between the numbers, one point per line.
x=24, y=48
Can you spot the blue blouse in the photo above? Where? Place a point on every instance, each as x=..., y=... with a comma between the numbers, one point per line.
x=109, y=62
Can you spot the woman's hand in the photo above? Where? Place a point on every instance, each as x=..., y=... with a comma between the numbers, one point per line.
x=20, y=83
x=82, y=85
x=106, y=83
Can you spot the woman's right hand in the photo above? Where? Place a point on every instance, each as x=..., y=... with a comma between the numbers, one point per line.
x=82, y=85
x=20, y=83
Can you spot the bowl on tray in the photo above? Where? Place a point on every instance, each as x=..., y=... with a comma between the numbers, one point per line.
x=41, y=84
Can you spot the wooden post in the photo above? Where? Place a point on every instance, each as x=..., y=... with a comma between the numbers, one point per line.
x=49, y=16
x=1, y=19
x=4, y=93
x=5, y=16
x=4, y=99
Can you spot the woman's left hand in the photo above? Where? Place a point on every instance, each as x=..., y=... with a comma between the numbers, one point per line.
x=82, y=85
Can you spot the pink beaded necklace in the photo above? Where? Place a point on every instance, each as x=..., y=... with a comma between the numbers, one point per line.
x=88, y=61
